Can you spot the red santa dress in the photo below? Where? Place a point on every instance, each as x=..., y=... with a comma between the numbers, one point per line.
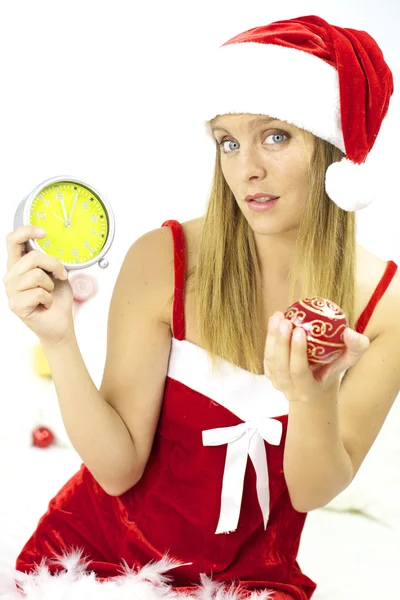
x=211, y=514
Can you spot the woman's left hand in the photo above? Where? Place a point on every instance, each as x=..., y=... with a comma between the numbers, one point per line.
x=286, y=363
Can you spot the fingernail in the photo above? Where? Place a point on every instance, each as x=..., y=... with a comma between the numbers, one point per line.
x=273, y=322
x=298, y=334
x=65, y=273
x=39, y=231
x=284, y=327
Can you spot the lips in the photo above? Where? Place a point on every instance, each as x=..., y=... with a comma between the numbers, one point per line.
x=260, y=195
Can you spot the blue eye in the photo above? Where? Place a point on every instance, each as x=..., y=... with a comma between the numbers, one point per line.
x=222, y=142
x=273, y=135
x=277, y=135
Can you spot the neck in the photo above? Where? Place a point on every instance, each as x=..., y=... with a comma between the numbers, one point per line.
x=275, y=253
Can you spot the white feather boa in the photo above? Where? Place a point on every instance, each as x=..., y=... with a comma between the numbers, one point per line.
x=74, y=582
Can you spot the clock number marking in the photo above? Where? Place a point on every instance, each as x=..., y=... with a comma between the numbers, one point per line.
x=75, y=252
x=61, y=251
x=41, y=215
x=47, y=203
x=85, y=205
x=94, y=218
x=46, y=243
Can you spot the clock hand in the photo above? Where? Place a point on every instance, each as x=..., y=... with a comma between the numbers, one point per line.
x=58, y=217
x=73, y=208
x=64, y=209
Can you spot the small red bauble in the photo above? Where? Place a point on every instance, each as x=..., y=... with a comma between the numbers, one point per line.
x=324, y=323
x=42, y=437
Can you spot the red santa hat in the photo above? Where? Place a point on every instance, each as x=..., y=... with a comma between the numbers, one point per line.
x=328, y=80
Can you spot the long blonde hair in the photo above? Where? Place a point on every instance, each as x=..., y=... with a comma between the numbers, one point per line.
x=227, y=277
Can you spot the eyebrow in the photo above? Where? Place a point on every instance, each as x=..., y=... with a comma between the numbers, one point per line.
x=252, y=124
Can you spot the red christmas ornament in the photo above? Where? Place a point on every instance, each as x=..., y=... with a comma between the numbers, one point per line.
x=42, y=437
x=324, y=323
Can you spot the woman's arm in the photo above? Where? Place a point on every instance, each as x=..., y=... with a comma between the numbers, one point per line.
x=328, y=440
x=113, y=429
x=316, y=465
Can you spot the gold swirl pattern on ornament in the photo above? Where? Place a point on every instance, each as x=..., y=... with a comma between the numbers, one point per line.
x=322, y=343
x=296, y=315
x=317, y=328
x=322, y=306
x=325, y=330
x=317, y=354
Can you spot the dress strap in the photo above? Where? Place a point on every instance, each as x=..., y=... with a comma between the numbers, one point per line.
x=381, y=288
x=178, y=313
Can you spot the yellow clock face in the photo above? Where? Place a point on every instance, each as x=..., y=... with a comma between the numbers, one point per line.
x=74, y=219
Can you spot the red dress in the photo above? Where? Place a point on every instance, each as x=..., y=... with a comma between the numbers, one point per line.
x=213, y=497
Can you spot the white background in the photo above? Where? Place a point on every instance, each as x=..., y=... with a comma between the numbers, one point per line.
x=105, y=91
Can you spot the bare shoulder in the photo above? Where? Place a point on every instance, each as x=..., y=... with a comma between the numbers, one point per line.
x=370, y=269
x=159, y=248
x=158, y=261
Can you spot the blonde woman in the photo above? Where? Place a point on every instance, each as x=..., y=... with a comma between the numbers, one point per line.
x=210, y=438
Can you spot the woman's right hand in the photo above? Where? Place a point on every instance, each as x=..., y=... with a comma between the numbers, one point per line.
x=42, y=303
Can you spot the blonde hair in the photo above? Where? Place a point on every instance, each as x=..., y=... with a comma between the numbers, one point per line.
x=227, y=278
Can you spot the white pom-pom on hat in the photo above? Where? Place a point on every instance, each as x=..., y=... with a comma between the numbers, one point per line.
x=350, y=185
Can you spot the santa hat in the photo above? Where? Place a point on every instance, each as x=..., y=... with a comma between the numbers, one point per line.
x=328, y=80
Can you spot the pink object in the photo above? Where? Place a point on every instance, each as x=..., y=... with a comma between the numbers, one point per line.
x=42, y=437
x=324, y=323
x=84, y=286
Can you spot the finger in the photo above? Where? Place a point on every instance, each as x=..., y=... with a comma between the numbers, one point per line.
x=282, y=351
x=25, y=303
x=299, y=367
x=352, y=352
x=270, y=343
x=347, y=360
x=355, y=342
x=44, y=261
x=33, y=279
x=16, y=242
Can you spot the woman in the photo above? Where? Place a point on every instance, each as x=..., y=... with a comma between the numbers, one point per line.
x=206, y=473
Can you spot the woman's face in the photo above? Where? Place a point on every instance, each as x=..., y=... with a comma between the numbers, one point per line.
x=261, y=154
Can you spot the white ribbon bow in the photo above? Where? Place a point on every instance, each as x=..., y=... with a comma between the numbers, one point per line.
x=245, y=439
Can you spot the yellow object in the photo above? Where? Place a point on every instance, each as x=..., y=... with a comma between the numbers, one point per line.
x=40, y=364
x=75, y=221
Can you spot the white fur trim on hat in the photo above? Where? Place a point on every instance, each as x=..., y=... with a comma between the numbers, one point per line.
x=284, y=83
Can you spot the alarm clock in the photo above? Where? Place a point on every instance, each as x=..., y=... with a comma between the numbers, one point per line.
x=78, y=221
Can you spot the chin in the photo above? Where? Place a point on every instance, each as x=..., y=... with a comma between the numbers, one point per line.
x=264, y=226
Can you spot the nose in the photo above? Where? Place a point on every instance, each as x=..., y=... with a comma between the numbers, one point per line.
x=252, y=165
x=250, y=151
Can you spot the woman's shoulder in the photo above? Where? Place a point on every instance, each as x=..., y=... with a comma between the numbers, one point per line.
x=370, y=269
x=161, y=254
